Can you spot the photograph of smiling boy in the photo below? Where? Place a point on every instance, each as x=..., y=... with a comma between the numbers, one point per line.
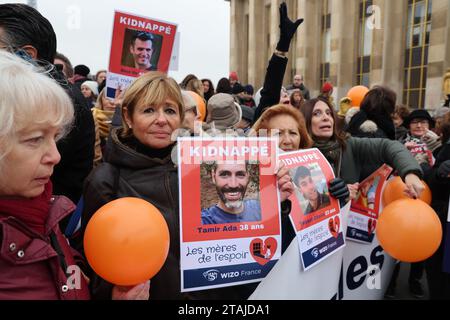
x=230, y=193
x=311, y=188
x=141, y=50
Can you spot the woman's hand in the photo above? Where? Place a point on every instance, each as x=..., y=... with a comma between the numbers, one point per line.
x=139, y=292
x=287, y=29
x=353, y=189
x=432, y=140
x=410, y=145
x=414, y=186
x=285, y=184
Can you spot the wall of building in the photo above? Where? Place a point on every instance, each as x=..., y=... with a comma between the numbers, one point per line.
x=254, y=34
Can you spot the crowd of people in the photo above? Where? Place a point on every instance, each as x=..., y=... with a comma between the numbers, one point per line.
x=65, y=145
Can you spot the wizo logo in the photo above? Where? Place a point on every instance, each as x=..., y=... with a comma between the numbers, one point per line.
x=315, y=252
x=211, y=275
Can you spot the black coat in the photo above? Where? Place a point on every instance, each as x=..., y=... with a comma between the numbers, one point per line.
x=439, y=281
x=129, y=173
x=76, y=149
x=270, y=94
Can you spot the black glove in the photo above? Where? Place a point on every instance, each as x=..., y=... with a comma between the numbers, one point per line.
x=444, y=169
x=287, y=29
x=339, y=189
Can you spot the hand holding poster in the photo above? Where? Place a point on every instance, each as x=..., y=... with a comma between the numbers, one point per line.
x=229, y=219
x=365, y=209
x=139, y=45
x=315, y=215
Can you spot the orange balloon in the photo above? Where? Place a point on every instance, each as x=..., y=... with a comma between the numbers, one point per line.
x=409, y=230
x=127, y=241
x=201, y=104
x=395, y=190
x=357, y=94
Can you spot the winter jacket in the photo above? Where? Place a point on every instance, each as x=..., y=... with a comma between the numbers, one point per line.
x=33, y=266
x=270, y=94
x=127, y=173
x=76, y=149
x=368, y=128
x=363, y=154
x=304, y=90
x=438, y=280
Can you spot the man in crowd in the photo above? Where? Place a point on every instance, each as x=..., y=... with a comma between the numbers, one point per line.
x=298, y=84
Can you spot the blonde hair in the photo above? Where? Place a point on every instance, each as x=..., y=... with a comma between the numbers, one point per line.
x=152, y=89
x=29, y=97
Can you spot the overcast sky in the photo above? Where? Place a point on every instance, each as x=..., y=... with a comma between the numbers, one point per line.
x=84, y=31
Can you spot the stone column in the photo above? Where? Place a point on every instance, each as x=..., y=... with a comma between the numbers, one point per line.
x=255, y=43
x=238, y=39
x=344, y=19
x=394, y=19
x=439, y=53
x=309, y=39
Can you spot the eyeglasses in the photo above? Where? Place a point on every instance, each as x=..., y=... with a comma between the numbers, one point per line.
x=417, y=122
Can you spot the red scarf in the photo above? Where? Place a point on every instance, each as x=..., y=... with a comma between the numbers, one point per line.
x=32, y=212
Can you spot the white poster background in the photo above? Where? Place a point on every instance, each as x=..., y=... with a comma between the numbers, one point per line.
x=287, y=281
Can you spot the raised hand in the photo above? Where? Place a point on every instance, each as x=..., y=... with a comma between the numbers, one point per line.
x=288, y=29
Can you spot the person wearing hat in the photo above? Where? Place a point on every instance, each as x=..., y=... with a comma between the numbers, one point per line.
x=89, y=89
x=326, y=92
x=419, y=123
x=223, y=112
x=80, y=75
x=419, y=139
x=233, y=78
x=247, y=119
x=247, y=96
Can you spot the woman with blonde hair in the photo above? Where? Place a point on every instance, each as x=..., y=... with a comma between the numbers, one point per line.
x=139, y=164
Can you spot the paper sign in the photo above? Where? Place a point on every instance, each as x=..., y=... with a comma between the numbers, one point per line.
x=315, y=215
x=364, y=211
x=423, y=149
x=139, y=45
x=229, y=211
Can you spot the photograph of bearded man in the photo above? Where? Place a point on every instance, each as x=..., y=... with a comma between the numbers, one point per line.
x=231, y=182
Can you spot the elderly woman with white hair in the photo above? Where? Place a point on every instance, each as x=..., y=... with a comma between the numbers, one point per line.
x=36, y=260
x=34, y=255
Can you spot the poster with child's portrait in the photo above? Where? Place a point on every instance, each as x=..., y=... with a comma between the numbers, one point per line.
x=315, y=215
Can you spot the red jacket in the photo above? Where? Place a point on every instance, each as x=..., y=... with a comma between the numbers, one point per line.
x=31, y=265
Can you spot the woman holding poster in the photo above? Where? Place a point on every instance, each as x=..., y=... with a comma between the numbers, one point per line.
x=348, y=156
x=289, y=125
x=139, y=164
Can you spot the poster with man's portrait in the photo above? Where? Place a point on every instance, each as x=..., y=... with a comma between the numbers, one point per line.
x=315, y=215
x=139, y=45
x=230, y=193
x=229, y=211
x=365, y=209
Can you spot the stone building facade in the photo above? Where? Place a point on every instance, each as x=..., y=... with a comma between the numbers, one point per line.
x=404, y=44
